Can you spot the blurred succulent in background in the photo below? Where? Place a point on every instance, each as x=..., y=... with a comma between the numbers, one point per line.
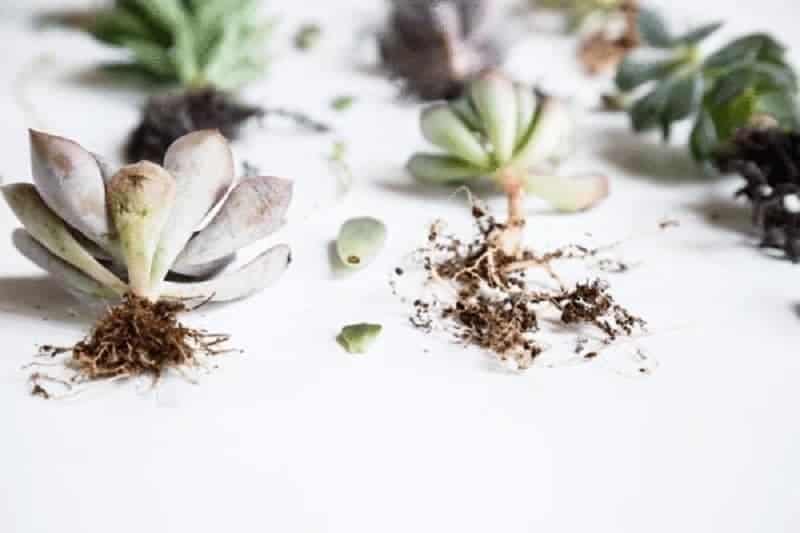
x=205, y=47
x=746, y=80
x=508, y=133
x=435, y=46
x=104, y=233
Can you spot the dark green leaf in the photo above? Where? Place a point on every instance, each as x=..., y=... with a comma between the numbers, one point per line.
x=781, y=106
x=633, y=73
x=704, y=138
x=653, y=29
x=684, y=97
x=647, y=111
x=731, y=85
x=746, y=49
x=733, y=115
x=697, y=35
x=774, y=77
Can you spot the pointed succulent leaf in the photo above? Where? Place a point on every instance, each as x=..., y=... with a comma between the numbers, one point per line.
x=254, y=209
x=359, y=241
x=140, y=198
x=633, y=73
x=730, y=86
x=646, y=113
x=52, y=233
x=550, y=137
x=71, y=184
x=62, y=271
x=746, y=49
x=526, y=111
x=202, y=165
x=435, y=168
x=704, y=138
x=496, y=101
x=442, y=127
x=653, y=28
x=568, y=193
x=683, y=100
x=260, y=273
x=114, y=25
x=697, y=35
x=151, y=57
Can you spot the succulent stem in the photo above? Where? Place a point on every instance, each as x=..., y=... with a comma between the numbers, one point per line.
x=510, y=237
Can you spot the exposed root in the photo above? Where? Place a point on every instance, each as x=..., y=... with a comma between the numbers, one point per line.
x=135, y=338
x=492, y=304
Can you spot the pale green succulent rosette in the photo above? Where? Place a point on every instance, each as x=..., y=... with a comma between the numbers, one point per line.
x=506, y=132
x=83, y=222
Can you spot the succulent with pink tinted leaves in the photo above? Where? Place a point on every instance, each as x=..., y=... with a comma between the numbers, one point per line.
x=157, y=232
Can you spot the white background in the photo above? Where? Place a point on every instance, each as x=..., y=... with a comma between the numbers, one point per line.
x=418, y=435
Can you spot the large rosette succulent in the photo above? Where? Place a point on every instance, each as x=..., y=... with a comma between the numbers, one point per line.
x=140, y=229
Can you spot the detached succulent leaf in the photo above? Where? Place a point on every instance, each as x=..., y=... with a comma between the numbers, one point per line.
x=357, y=338
x=51, y=232
x=140, y=198
x=359, y=241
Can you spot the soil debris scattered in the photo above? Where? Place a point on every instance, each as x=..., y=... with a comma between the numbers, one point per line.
x=490, y=300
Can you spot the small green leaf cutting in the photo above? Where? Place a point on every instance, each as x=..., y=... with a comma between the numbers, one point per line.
x=359, y=241
x=357, y=338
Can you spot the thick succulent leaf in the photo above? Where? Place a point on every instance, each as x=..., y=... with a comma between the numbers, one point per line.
x=202, y=165
x=568, y=193
x=260, y=273
x=526, y=112
x=746, y=49
x=736, y=113
x=114, y=25
x=633, y=73
x=153, y=58
x=782, y=107
x=255, y=208
x=204, y=270
x=71, y=183
x=62, y=271
x=140, y=198
x=357, y=338
x=653, y=29
x=730, y=86
x=683, y=100
x=703, y=140
x=496, y=101
x=550, y=137
x=52, y=233
x=167, y=15
x=359, y=241
x=184, y=56
x=646, y=112
x=435, y=168
x=442, y=127
x=466, y=112
x=697, y=35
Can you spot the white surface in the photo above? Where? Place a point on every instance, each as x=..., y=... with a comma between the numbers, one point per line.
x=418, y=435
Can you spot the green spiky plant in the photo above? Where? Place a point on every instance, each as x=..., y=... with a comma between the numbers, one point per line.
x=747, y=81
x=206, y=48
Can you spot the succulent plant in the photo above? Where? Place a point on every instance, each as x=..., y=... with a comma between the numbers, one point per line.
x=104, y=233
x=436, y=46
x=740, y=84
x=192, y=43
x=509, y=133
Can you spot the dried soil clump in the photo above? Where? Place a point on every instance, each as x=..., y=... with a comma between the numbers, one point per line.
x=769, y=161
x=167, y=117
x=494, y=306
x=135, y=338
